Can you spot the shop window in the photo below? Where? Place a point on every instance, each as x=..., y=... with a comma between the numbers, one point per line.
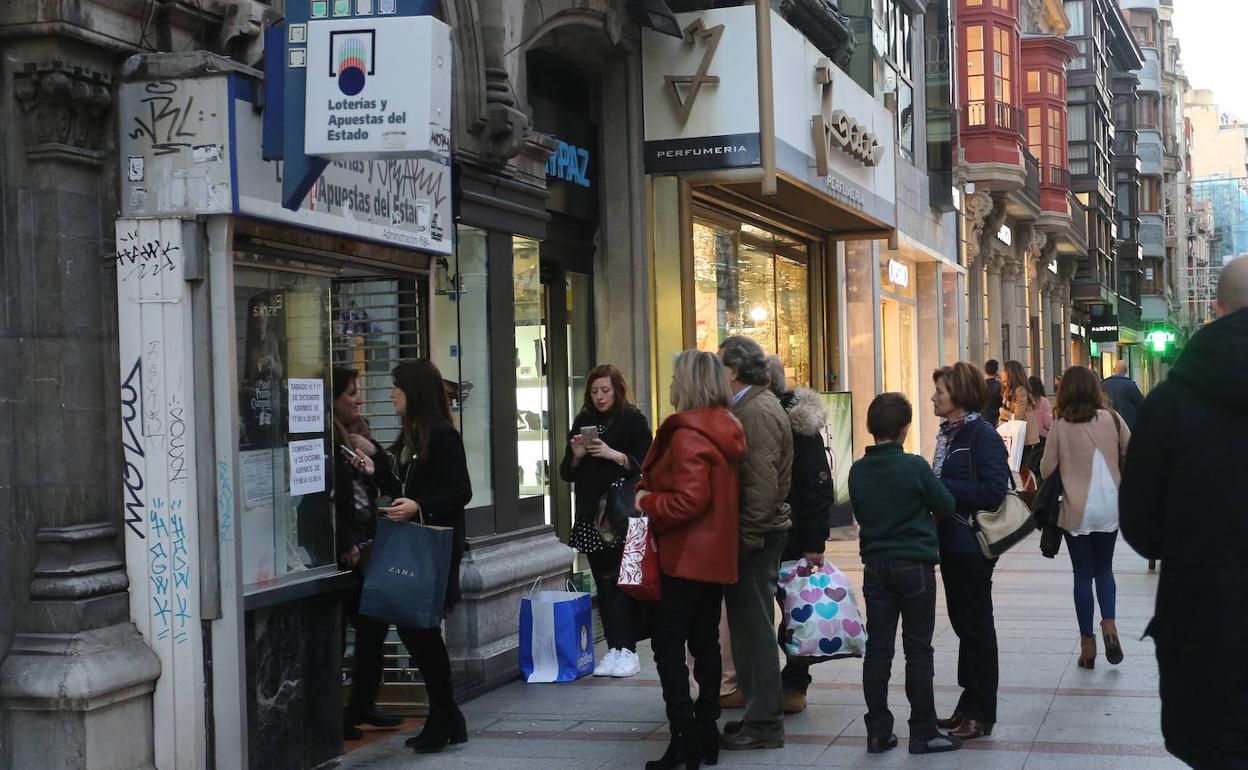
x=532, y=383
x=466, y=287
x=283, y=340
x=1033, y=82
x=752, y=281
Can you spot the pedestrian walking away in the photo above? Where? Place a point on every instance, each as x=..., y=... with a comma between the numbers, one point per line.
x=991, y=407
x=894, y=495
x=811, y=496
x=1043, y=413
x=764, y=522
x=689, y=490
x=430, y=483
x=608, y=441
x=1183, y=501
x=1086, y=446
x=1124, y=395
x=355, y=514
x=970, y=461
x=1019, y=403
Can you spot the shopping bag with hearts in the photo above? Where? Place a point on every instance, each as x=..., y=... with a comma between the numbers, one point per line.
x=821, y=619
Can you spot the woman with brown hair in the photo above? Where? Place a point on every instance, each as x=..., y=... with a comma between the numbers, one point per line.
x=1019, y=403
x=608, y=441
x=1087, y=445
x=689, y=491
x=430, y=483
x=971, y=462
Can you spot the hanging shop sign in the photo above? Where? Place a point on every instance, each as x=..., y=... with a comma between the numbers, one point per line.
x=378, y=88
x=702, y=110
x=569, y=163
x=1104, y=329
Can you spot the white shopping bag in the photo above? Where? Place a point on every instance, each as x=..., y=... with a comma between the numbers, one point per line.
x=1014, y=434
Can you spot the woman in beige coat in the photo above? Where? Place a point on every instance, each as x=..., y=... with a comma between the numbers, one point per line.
x=1018, y=403
x=1086, y=446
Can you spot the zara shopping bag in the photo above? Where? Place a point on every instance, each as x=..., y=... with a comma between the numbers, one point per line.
x=639, y=566
x=408, y=569
x=821, y=619
x=556, y=636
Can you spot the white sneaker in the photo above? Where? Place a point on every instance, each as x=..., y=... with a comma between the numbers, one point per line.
x=627, y=664
x=606, y=666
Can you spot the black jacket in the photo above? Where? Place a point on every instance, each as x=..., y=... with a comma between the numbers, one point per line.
x=978, y=488
x=1184, y=500
x=440, y=484
x=1124, y=398
x=629, y=433
x=354, y=525
x=811, y=492
x=992, y=407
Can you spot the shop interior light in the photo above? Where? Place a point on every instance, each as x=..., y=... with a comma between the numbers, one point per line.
x=759, y=314
x=656, y=15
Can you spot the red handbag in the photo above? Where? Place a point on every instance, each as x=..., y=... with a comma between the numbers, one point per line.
x=639, y=566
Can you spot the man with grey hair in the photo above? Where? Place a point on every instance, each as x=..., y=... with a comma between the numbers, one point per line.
x=1124, y=397
x=764, y=521
x=1183, y=501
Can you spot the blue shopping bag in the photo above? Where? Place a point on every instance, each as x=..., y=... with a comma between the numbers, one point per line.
x=408, y=569
x=556, y=636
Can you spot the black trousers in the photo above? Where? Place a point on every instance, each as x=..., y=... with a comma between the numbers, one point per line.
x=905, y=589
x=968, y=595
x=428, y=653
x=688, y=615
x=621, y=613
x=367, y=660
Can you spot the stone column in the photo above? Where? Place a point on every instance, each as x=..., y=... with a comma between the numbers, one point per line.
x=980, y=211
x=76, y=687
x=1000, y=302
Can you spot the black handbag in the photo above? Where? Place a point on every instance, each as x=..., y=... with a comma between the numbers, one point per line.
x=616, y=506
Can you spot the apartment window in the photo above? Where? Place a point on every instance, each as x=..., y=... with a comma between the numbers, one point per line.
x=1080, y=60
x=974, y=3
x=1150, y=195
x=1074, y=12
x=1143, y=28
x=894, y=67
x=1077, y=123
x=1055, y=85
x=1057, y=137
x=1033, y=82
x=1146, y=111
x=975, y=70
x=1002, y=4
x=1034, y=132
x=1001, y=64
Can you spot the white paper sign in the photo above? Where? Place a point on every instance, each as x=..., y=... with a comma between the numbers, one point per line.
x=307, y=466
x=307, y=406
x=257, y=466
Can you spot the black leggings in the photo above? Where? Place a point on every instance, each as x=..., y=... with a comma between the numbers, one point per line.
x=621, y=613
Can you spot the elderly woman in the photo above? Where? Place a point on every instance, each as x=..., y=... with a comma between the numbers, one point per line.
x=971, y=462
x=689, y=491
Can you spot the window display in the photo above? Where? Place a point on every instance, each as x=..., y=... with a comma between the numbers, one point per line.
x=755, y=282
x=532, y=396
x=467, y=279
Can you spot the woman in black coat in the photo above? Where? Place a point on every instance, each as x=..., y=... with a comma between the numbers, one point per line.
x=971, y=462
x=427, y=475
x=593, y=464
x=355, y=513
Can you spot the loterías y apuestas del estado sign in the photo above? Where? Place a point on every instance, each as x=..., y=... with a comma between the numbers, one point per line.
x=378, y=88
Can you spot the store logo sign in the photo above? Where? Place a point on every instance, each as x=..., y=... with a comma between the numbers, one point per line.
x=352, y=59
x=899, y=273
x=569, y=163
x=693, y=33
x=835, y=129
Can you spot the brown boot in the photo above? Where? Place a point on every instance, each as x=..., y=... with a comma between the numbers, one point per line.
x=1113, y=648
x=794, y=702
x=1087, y=651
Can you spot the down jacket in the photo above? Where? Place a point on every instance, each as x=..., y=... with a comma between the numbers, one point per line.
x=811, y=491
x=691, y=475
x=767, y=469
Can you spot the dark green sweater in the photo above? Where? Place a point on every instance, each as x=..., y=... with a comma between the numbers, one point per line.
x=894, y=495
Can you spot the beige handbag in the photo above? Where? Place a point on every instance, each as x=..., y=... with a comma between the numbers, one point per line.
x=999, y=530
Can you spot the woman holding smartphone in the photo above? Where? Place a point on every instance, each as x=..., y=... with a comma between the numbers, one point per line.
x=430, y=484
x=608, y=441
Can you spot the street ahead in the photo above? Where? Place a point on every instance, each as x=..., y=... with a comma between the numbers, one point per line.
x=1052, y=714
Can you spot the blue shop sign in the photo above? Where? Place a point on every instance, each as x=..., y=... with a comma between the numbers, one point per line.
x=569, y=163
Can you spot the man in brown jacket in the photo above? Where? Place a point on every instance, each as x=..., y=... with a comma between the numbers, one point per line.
x=751, y=601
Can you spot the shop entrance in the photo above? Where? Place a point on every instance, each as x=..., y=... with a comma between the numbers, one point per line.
x=899, y=339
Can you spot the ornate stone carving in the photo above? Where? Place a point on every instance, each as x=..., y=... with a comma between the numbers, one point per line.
x=979, y=206
x=64, y=111
x=505, y=126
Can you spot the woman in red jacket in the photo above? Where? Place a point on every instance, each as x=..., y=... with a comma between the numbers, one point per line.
x=689, y=491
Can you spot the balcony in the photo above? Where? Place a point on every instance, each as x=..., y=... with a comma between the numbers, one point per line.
x=1005, y=117
x=1125, y=147
x=1031, y=186
x=1056, y=176
x=1128, y=311
x=990, y=145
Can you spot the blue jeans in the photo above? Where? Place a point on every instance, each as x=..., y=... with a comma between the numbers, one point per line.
x=1092, y=557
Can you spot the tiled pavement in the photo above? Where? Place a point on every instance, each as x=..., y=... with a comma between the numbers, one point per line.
x=1052, y=714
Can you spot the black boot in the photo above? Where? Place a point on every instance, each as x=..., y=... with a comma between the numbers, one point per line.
x=685, y=748
x=708, y=731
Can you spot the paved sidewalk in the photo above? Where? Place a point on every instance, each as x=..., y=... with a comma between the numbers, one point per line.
x=1052, y=714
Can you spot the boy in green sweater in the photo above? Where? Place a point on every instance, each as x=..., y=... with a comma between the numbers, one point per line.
x=894, y=495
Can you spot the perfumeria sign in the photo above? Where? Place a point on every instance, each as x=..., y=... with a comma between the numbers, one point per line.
x=378, y=88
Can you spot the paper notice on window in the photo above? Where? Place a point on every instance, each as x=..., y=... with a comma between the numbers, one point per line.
x=307, y=406
x=257, y=467
x=307, y=466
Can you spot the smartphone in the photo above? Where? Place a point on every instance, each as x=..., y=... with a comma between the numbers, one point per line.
x=350, y=453
x=589, y=433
